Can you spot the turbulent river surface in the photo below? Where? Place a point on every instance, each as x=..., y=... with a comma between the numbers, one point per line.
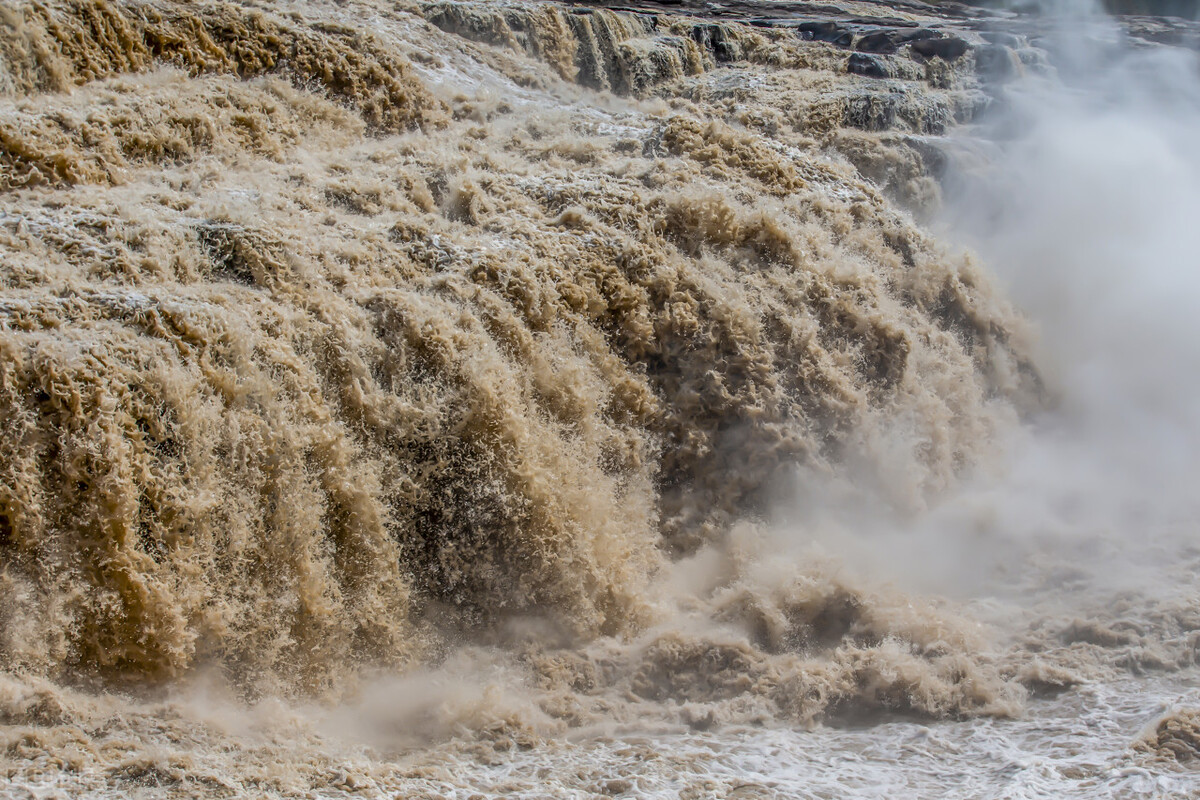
x=519, y=399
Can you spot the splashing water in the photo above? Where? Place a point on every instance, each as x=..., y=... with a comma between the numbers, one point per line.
x=516, y=400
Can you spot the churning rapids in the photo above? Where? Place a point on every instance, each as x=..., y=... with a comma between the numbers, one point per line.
x=468, y=399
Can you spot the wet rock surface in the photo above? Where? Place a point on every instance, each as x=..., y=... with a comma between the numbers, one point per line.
x=880, y=26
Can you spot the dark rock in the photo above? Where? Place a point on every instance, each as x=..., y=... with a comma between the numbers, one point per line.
x=867, y=66
x=995, y=62
x=878, y=42
x=889, y=41
x=947, y=48
x=826, y=32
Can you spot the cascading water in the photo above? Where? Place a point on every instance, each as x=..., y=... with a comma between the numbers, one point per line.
x=461, y=398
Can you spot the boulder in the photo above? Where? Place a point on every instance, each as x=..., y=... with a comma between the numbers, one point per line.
x=868, y=66
x=889, y=40
x=826, y=32
x=947, y=48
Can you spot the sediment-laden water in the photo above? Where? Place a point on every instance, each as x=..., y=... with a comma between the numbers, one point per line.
x=496, y=399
